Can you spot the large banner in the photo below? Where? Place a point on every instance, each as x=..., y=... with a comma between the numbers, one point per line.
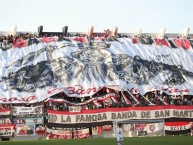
x=27, y=111
x=34, y=73
x=120, y=114
x=6, y=130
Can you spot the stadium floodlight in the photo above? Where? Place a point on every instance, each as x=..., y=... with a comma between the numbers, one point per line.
x=186, y=32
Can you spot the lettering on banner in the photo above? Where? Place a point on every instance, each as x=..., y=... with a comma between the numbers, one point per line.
x=124, y=115
x=20, y=121
x=180, y=113
x=52, y=118
x=110, y=116
x=91, y=118
x=145, y=114
x=24, y=99
x=175, y=90
x=77, y=89
x=54, y=91
x=66, y=119
x=162, y=114
x=5, y=121
x=164, y=58
x=176, y=128
x=5, y=131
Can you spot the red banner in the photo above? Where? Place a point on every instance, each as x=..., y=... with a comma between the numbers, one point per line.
x=7, y=129
x=4, y=112
x=177, y=126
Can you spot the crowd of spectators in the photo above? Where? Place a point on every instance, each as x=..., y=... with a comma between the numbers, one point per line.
x=62, y=102
x=5, y=106
x=18, y=41
x=23, y=40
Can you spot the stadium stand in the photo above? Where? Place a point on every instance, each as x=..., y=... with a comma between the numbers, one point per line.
x=41, y=119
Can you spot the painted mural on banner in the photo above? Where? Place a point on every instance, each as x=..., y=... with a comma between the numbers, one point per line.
x=25, y=129
x=32, y=74
x=7, y=130
x=120, y=114
x=28, y=112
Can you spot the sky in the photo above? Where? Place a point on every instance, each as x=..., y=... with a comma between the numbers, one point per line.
x=79, y=15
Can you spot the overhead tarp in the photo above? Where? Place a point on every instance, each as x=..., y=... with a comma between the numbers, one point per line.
x=34, y=73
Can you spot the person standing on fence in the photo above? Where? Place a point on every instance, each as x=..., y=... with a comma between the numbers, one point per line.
x=119, y=135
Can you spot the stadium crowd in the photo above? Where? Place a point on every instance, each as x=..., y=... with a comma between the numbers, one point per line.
x=23, y=40
x=122, y=99
x=61, y=101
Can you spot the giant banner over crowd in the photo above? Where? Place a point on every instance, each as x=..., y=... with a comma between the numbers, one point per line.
x=36, y=72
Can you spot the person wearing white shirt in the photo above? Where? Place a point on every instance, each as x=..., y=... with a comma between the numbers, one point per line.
x=119, y=135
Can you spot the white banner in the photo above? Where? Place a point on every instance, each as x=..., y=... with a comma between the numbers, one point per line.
x=120, y=114
x=34, y=73
x=24, y=111
x=154, y=127
x=6, y=130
